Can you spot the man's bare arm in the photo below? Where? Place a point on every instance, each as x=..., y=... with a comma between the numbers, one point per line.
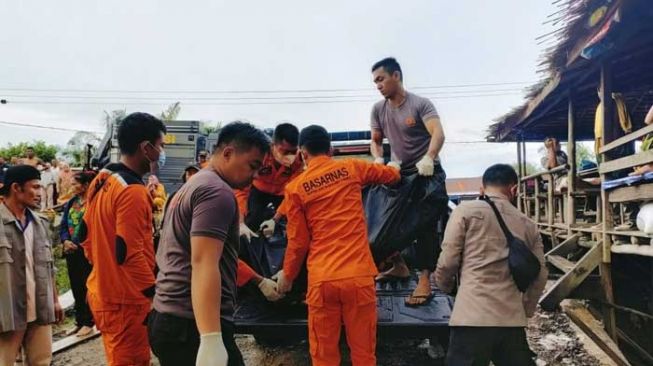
x=206, y=282
x=434, y=127
x=376, y=145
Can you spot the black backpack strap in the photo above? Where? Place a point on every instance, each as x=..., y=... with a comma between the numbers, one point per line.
x=502, y=223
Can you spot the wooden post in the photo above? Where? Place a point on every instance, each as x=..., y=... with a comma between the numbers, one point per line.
x=571, y=174
x=606, y=209
x=537, y=199
x=550, y=206
x=521, y=199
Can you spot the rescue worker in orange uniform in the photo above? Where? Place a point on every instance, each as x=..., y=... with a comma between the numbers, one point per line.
x=326, y=222
x=280, y=166
x=118, y=224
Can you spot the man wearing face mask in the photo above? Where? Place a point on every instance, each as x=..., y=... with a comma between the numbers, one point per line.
x=280, y=166
x=118, y=241
x=489, y=315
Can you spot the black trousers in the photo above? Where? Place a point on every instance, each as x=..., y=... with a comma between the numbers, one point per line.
x=78, y=270
x=257, y=207
x=477, y=346
x=175, y=340
x=427, y=243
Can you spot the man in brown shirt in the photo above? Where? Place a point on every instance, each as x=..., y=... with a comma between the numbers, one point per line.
x=489, y=316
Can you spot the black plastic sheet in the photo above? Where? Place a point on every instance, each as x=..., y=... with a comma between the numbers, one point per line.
x=395, y=213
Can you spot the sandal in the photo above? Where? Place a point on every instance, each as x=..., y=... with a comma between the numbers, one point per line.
x=73, y=330
x=84, y=331
x=427, y=299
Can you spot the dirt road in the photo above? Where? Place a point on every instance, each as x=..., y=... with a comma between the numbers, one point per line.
x=551, y=336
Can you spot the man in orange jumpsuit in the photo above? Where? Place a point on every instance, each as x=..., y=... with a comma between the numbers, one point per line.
x=119, y=245
x=280, y=165
x=326, y=221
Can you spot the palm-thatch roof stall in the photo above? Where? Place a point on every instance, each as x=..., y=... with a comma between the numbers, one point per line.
x=602, y=50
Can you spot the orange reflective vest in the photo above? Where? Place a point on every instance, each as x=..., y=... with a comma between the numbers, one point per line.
x=326, y=220
x=118, y=242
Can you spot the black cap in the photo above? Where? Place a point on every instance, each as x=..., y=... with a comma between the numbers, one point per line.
x=190, y=166
x=18, y=174
x=313, y=133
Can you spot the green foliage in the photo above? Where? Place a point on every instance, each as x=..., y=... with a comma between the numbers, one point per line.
x=207, y=127
x=584, y=152
x=171, y=113
x=42, y=150
x=75, y=151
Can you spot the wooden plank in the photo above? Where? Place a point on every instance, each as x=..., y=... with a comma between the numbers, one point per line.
x=635, y=233
x=642, y=192
x=561, y=263
x=609, y=318
x=641, y=158
x=587, y=244
x=627, y=138
x=557, y=170
x=643, y=250
x=567, y=283
x=72, y=341
x=592, y=327
x=550, y=205
x=566, y=246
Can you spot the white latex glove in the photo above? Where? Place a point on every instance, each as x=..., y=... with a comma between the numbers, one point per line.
x=379, y=161
x=283, y=284
x=394, y=164
x=211, y=351
x=246, y=232
x=269, y=289
x=425, y=166
x=267, y=227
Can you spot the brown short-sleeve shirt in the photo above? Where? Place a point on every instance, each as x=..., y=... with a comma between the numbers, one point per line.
x=404, y=127
x=204, y=206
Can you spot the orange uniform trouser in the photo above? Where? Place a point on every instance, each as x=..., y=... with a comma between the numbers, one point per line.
x=123, y=332
x=330, y=303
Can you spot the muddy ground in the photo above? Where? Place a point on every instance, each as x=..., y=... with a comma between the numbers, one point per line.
x=551, y=336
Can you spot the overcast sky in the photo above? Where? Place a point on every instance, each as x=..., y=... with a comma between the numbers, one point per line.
x=143, y=55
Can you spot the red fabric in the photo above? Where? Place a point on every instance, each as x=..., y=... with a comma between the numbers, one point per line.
x=244, y=274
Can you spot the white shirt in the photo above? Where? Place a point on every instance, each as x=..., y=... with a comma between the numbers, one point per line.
x=28, y=235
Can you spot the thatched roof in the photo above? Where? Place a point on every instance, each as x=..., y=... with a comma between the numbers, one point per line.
x=562, y=69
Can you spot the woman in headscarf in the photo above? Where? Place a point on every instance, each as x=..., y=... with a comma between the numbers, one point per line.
x=65, y=183
x=78, y=266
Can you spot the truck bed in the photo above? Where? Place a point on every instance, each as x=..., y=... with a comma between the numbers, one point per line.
x=256, y=316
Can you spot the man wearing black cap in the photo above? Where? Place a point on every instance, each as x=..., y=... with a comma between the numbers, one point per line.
x=326, y=222
x=190, y=170
x=28, y=296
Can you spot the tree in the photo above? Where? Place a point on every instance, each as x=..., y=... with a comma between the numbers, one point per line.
x=583, y=152
x=208, y=127
x=171, y=113
x=42, y=150
x=75, y=151
x=114, y=116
